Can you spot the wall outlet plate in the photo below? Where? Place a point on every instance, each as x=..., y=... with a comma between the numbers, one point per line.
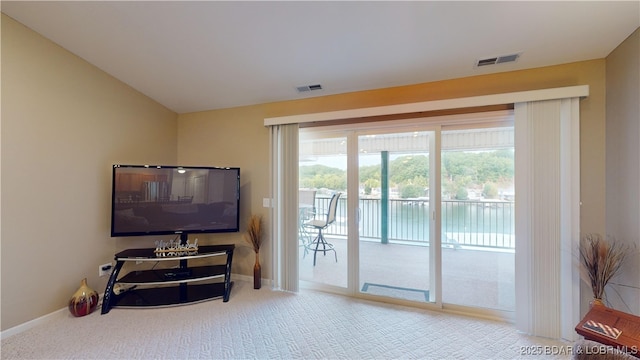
x=105, y=269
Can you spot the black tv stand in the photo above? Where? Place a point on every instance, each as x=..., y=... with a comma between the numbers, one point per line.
x=173, y=286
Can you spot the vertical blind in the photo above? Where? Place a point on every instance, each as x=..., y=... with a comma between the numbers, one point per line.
x=547, y=217
x=284, y=206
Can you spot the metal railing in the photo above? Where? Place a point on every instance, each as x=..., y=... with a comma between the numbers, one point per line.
x=479, y=223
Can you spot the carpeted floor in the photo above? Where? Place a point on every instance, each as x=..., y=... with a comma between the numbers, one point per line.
x=266, y=324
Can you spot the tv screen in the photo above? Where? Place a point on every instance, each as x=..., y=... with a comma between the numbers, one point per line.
x=159, y=200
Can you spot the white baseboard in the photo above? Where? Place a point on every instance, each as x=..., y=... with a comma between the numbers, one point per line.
x=33, y=323
x=63, y=312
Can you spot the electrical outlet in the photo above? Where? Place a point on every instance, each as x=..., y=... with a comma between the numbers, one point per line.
x=105, y=269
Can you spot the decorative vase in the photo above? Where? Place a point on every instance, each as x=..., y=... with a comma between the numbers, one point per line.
x=84, y=300
x=596, y=302
x=257, y=273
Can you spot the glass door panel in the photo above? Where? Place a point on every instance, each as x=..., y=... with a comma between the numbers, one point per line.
x=322, y=229
x=477, y=207
x=433, y=214
x=394, y=216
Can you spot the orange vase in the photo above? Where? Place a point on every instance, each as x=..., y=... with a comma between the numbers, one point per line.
x=84, y=300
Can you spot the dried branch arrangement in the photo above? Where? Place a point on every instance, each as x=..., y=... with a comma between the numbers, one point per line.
x=601, y=260
x=254, y=232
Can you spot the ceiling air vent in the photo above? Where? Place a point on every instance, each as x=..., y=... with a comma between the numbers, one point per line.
x=497, y=60
x=485, y=62
x=306, y=88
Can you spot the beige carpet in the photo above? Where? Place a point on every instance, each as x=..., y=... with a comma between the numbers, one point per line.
x=266, y=324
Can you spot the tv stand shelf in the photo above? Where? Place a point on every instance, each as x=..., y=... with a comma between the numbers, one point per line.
x=169, y=287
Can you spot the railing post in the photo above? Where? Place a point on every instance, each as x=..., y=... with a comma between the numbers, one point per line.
x=384, y=197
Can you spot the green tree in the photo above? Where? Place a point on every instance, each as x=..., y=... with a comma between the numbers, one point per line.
x=405, y=168
x=321, y=176
x=333, y=181
x=490, y=191
x=473, y=169
x=495, y=166
x=370, y=184
x=462, y=194
x=460, y=170
x=411, y=191
x=457, y=164
x=370, y=172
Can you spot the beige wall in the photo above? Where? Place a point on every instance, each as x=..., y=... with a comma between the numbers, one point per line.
x=232, y=137
x=623, y=166
x=252, y=138
x=64, y=123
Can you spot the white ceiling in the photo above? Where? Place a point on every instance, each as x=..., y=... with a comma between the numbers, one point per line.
x=194, y=56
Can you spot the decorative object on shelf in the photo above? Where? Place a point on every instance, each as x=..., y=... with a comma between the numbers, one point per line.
x=601, y=259
x=84, y=300
x=122, y=288
x=603, y=329
x=175, y=248
x=254, y=237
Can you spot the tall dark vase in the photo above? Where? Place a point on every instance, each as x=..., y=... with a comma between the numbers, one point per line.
x=257, y=273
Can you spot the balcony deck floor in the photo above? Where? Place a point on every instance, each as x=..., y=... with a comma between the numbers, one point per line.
x=474, y=277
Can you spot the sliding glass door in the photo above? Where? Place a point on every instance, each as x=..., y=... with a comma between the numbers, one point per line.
x=425, y=213
x=323, y=223
x=394, y=208
x=477, y=207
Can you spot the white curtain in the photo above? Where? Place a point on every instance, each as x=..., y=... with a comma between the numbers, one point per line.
x=284, y=206
x=547, y=217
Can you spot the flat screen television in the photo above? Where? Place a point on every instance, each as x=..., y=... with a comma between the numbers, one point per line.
x=161, y=200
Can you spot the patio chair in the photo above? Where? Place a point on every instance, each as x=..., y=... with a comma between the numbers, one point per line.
x=306, y=212
x=307, y=204
x=320, y=243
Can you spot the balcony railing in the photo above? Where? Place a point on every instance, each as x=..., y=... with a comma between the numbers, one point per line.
x=478, y=223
